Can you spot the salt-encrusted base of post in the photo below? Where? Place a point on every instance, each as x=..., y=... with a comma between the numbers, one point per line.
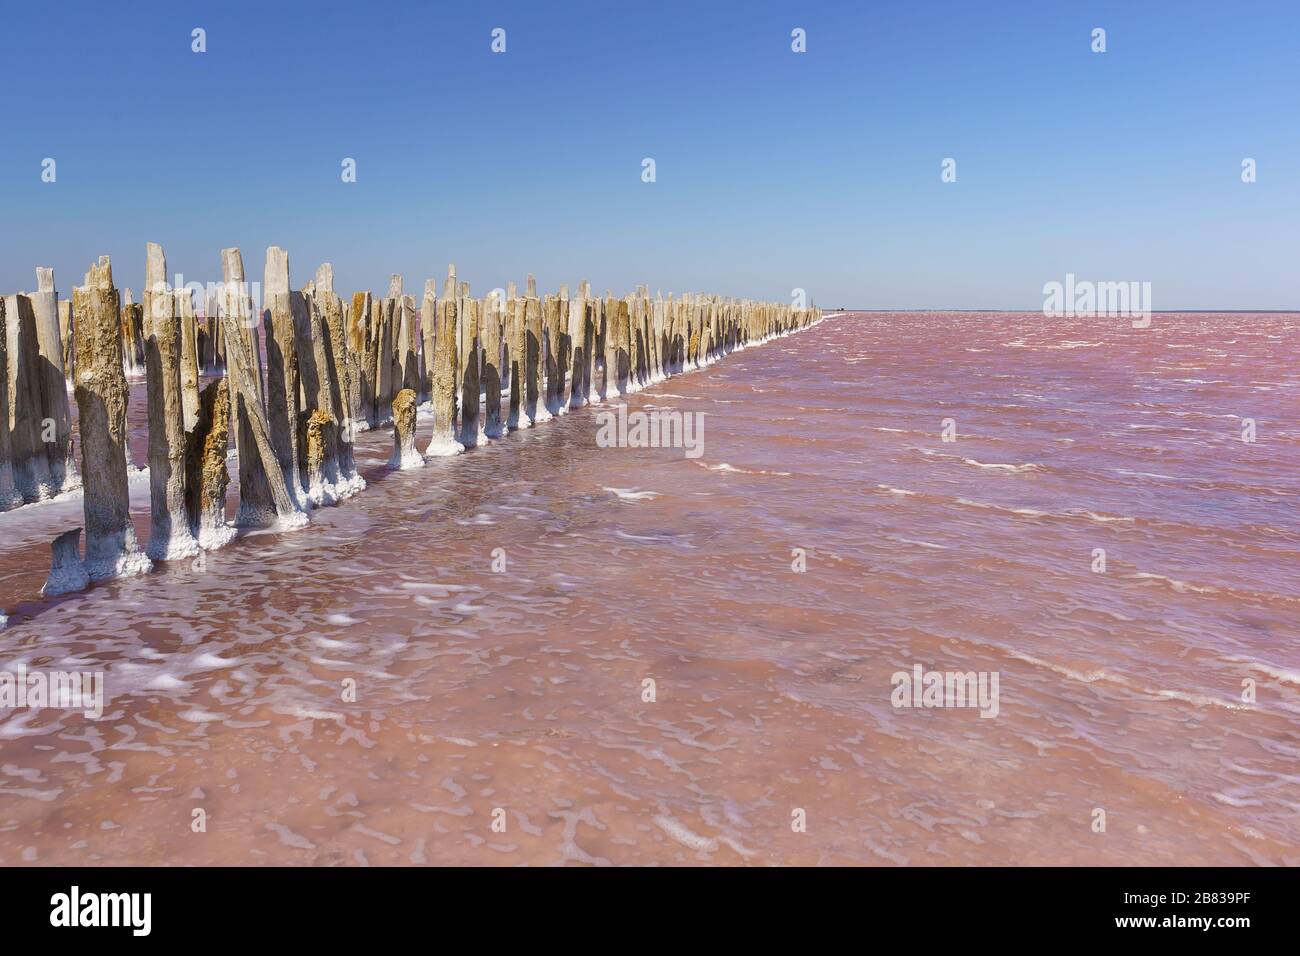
x=67, y=573
x=404, y=454
x=102, y=395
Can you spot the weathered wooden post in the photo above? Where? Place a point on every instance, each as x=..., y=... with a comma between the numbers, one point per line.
x=25, y=412
x=443, y=371
x=408, y=345
x=206, y=473
x=362, y=387
x=67, y=573
x=333, y=356
x=670, y=336
x=102, y=395
x=313, y=434
x=132, y=335
x=490, y=337
x=657, y=345
x=609, y=341
x=404, y=454
x=516, y=357
x=65, y=336
x=590, y=306
x=381, y=357
x=189, y=350
x=169, y=527
x=55, y=411
x=577, y=329
x=237, y=302
x=470, y=376
x=10, y=496
x=428, y=333
x=283, y=383
x=264, y=498
x=623, y=350
x=206, y=333
x=556, y=314
x=534, y=409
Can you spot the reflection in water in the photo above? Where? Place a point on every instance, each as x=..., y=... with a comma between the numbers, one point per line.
x=522, y=688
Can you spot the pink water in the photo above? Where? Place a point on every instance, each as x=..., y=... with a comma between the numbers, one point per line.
x=522, y=691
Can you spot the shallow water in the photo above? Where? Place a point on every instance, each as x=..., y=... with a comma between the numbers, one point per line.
x=522, y=691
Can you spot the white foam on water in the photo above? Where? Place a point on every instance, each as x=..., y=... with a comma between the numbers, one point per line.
x=1014, y=469
x=1181, y=587
x=684, y=835
x=632, y=494
x=889, y=489
x=732, y=469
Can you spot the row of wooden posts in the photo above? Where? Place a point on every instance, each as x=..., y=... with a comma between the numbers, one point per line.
x=296, y=394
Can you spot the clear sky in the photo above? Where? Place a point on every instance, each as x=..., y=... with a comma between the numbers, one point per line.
x=775, y=169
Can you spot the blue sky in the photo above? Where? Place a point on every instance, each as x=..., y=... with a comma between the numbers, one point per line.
x=775, y=170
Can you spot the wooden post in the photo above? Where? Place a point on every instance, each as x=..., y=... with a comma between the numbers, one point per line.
x=102, y=395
